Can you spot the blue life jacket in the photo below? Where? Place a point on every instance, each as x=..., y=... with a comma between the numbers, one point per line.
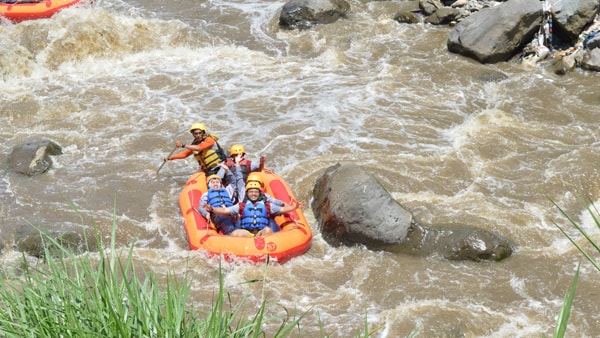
x=218, y=198
x=255, y=216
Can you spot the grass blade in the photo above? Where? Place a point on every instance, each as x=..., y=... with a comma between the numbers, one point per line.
x=565, y=311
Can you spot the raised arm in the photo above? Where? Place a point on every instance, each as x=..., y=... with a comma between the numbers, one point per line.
x=235, y=179
x=292, y=207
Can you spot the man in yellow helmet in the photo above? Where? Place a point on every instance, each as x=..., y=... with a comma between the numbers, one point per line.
x=204, y=147
x=255, y=177
x=255, y=212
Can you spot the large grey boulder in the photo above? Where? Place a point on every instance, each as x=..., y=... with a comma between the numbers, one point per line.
x=304, y=14
x=497, y=33
x=352, y=207
x=33, y=157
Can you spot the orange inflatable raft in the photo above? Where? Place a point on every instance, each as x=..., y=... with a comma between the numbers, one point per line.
x=293, y=240
x=21, y=10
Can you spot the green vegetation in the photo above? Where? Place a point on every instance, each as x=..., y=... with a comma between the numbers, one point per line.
x=102, y=295
x=563, y=317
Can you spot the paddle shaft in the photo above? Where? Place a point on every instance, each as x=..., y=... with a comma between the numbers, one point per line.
x=171, y=153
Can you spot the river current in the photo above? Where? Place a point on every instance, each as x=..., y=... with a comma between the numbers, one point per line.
x=454, y=141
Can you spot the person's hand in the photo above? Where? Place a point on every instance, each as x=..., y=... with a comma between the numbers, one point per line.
x=237, y=159
x=178, y=144
x=208, y=207
x=262, y=160
x=165, y=159
x=224, y=166
x=300, y=204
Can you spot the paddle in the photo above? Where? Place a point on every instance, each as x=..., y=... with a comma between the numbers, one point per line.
x=165, y=161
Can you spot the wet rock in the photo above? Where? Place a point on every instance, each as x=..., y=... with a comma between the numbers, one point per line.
x=491, y=76
x=33, y=157
x=570, y=17
x=304, y=14
x=429, y=7
x=353, y=208
x=409, y=12
x=473, y=244
x=591, y=60
x=497, y=33
x=564, y=64
x=34, y=243
x=444, y=16
x=456, y=242
x=407, y=17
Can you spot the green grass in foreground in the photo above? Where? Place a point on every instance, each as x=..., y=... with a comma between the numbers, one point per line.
x=83, y=296
x=563, y=317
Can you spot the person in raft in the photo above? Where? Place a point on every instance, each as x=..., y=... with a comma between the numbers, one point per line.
x=255, y=177
x=237, y=156
x=220, y=196
x=205, y=148
x=255, y=212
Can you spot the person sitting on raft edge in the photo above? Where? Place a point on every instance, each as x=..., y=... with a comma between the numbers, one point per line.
x=204, y=147
x=255, y=212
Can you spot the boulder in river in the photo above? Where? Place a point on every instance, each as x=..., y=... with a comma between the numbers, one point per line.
x=33, y=157
x=352, y=208
x=304, y=14
x=37, y=243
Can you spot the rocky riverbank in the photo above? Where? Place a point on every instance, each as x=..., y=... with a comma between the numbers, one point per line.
x=563, y=34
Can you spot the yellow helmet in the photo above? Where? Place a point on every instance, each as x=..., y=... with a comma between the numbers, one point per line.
x=197, y=126
x=254, y=177
x=237, y=149
x=253, y=185
x=214, y=176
